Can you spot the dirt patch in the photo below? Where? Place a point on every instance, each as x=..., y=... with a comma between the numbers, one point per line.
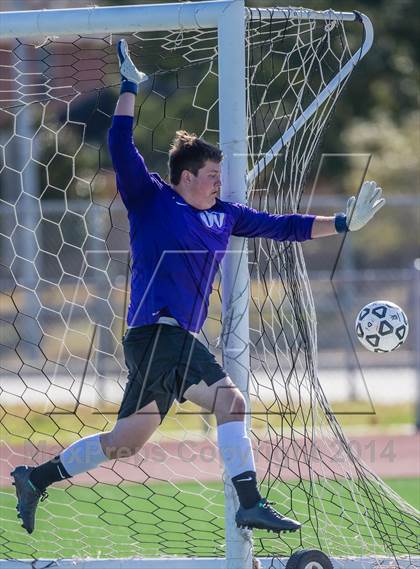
x=388, y=456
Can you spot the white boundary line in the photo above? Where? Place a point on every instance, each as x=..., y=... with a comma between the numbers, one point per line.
x=204, y=563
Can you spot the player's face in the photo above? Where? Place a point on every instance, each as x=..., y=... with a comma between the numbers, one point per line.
x=207, y=183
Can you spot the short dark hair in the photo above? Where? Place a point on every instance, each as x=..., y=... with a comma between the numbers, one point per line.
x=189, y=152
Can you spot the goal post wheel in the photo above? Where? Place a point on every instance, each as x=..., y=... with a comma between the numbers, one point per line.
x=309, y=559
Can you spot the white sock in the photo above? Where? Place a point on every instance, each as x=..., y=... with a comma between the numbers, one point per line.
x=235, y=448
x=83, y=455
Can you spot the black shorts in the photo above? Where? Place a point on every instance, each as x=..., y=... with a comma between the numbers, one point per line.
x=163, y=361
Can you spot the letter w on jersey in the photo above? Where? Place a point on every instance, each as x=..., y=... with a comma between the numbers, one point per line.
x=212, y=218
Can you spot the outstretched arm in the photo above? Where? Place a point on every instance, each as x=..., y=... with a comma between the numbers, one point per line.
x=323, y=226
x=296, y=227
x=252, y=223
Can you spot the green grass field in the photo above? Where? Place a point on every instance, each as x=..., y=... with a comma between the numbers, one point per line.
x=187, y=519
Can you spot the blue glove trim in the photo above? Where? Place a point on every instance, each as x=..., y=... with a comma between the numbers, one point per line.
x=129, y=87
x=341, y=223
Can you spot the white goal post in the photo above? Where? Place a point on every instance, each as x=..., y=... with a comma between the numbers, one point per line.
x=229, y=17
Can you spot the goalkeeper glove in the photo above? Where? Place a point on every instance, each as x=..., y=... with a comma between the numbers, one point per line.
x=131, y=77
x=360, y=209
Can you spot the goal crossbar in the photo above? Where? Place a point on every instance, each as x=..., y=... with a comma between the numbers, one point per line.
x=150, y=17
x=111, y=19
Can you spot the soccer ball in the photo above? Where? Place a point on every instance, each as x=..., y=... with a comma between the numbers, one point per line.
x=381, y=326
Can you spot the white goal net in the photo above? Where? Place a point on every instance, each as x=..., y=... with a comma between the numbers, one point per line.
x=64, y=275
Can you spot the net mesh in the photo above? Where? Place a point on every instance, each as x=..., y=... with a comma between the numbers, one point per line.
x=64, y=277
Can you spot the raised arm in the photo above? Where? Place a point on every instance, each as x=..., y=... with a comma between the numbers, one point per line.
x=133, y=179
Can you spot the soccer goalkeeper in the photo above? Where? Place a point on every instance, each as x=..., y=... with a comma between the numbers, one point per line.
x=179, y=233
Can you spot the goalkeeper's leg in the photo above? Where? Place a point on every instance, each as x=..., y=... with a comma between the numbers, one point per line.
x=225, y=400
x=128, y=437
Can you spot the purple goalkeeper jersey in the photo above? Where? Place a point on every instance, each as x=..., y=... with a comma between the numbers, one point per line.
x=177, y=249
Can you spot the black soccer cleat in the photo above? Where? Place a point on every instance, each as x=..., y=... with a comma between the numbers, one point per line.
x=28, y=496
x=263, y=516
